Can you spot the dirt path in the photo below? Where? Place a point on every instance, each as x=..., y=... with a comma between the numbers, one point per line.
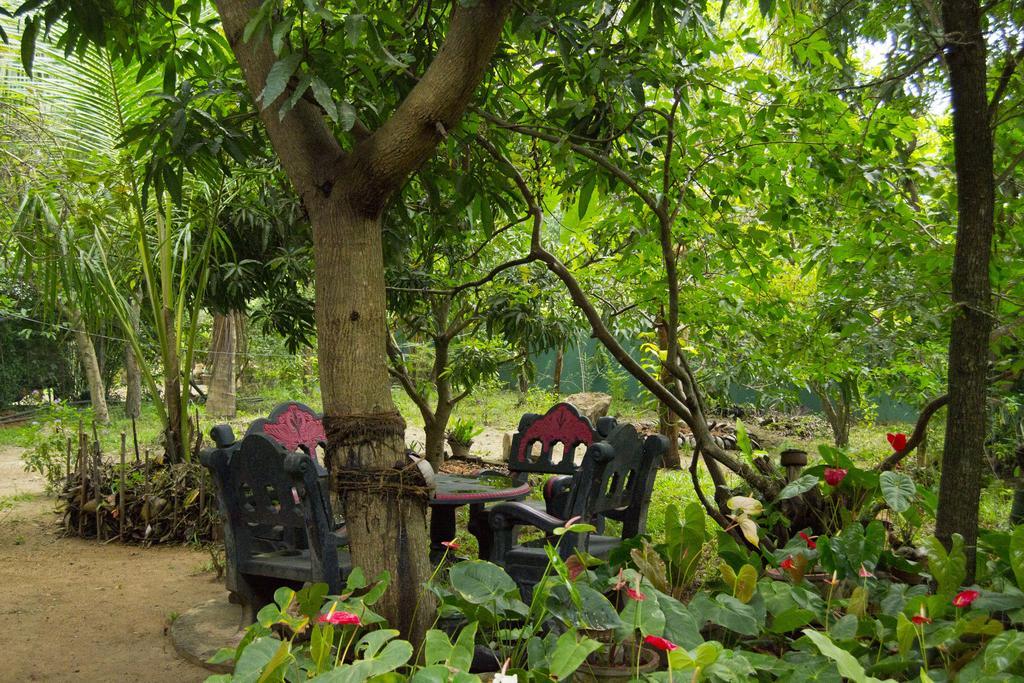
x=78, y=610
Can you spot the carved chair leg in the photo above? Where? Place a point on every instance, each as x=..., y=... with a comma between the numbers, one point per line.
x=480, y=527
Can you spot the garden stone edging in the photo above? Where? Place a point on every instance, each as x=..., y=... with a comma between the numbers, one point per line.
x=201, y=631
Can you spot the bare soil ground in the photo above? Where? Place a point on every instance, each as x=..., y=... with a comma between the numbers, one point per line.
x=77, y=610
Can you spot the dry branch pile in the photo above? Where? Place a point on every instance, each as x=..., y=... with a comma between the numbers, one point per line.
x=161, y=503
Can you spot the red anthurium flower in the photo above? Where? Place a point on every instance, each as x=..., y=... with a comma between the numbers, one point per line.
x=575, y=567
x=864, y=573
x=451, y=545
x=965, y=598
x=921, y=618
x=340, y=618
x=809, y=540
x=661, y=643
x=635, y=594
x=897, y=441
x=787, y=563
x=834, y=475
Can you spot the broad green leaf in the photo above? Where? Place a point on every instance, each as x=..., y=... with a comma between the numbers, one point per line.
x=858, y=602
x=1017, y=554
x=277, y=78
x=255, y=656
x=586, y=191
x=791, y=619
x=846, y=663
x=680, y=626
x=746, y=583
x=906, y=633
x=1004, y=651
x=845, y=628
x=570, y=653
x=743, y=439
x=898, y=490
x=323, y=96
x=736, y=616
x=948, y=569
x=728, y=576
x=437, y=647
x=798, y=486
x=481, y=582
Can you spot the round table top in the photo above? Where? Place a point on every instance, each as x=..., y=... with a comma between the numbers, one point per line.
x=455, y=489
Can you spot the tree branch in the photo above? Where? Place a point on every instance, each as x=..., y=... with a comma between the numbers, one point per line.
x=915, y=439
x=1004, y=81
x=307, y=148
x=584, y=151
x=434, y=105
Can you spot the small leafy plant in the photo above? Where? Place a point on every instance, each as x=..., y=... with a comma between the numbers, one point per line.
x=462, y=432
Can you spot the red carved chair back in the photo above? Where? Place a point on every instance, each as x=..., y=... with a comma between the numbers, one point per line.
x=534, y=445
x=293, y=425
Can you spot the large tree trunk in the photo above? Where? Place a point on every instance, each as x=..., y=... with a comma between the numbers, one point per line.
x=963, y=454
x=220, y=397
x=388, y=530
x=91, y=367
x=344, y=193
x=132, y=372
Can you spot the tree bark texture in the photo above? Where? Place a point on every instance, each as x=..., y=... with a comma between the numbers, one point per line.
x=344, y=193
x=386, y=532
x=963, y=454
x=220, y=398
x=132, y=372
x=838, y=412
x=91, y=368
x=668, y=423
x=556, y=379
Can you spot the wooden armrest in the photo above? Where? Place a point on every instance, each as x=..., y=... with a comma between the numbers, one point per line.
x=505, y=516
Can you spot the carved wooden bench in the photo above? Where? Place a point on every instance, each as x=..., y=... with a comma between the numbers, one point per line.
x=615, y=481
x=279, y=527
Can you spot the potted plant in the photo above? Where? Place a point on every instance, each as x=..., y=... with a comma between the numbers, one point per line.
x=460, y=437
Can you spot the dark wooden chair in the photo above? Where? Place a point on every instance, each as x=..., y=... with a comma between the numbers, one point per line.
x=278, y=524
x=615, y=480
x=543, y=444
x=295, y=426
x=548, y=444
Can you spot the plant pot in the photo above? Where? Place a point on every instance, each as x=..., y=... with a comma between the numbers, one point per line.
x=460, y=450
x=596, y=673
x=792, y=457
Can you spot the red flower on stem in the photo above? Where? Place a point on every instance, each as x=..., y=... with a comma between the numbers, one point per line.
x=787, y=563
x=575, y=567
x=340, y=618
x=921, y=618
x=864, y=573
x=834, y=475
x=660, y=643
x=965, y=598
x=897, y=441
x=808, y=540
x=451, y=545
x=635, y=594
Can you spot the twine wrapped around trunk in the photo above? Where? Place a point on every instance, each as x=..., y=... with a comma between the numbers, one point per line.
x=397, y=482
x=361, y=428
